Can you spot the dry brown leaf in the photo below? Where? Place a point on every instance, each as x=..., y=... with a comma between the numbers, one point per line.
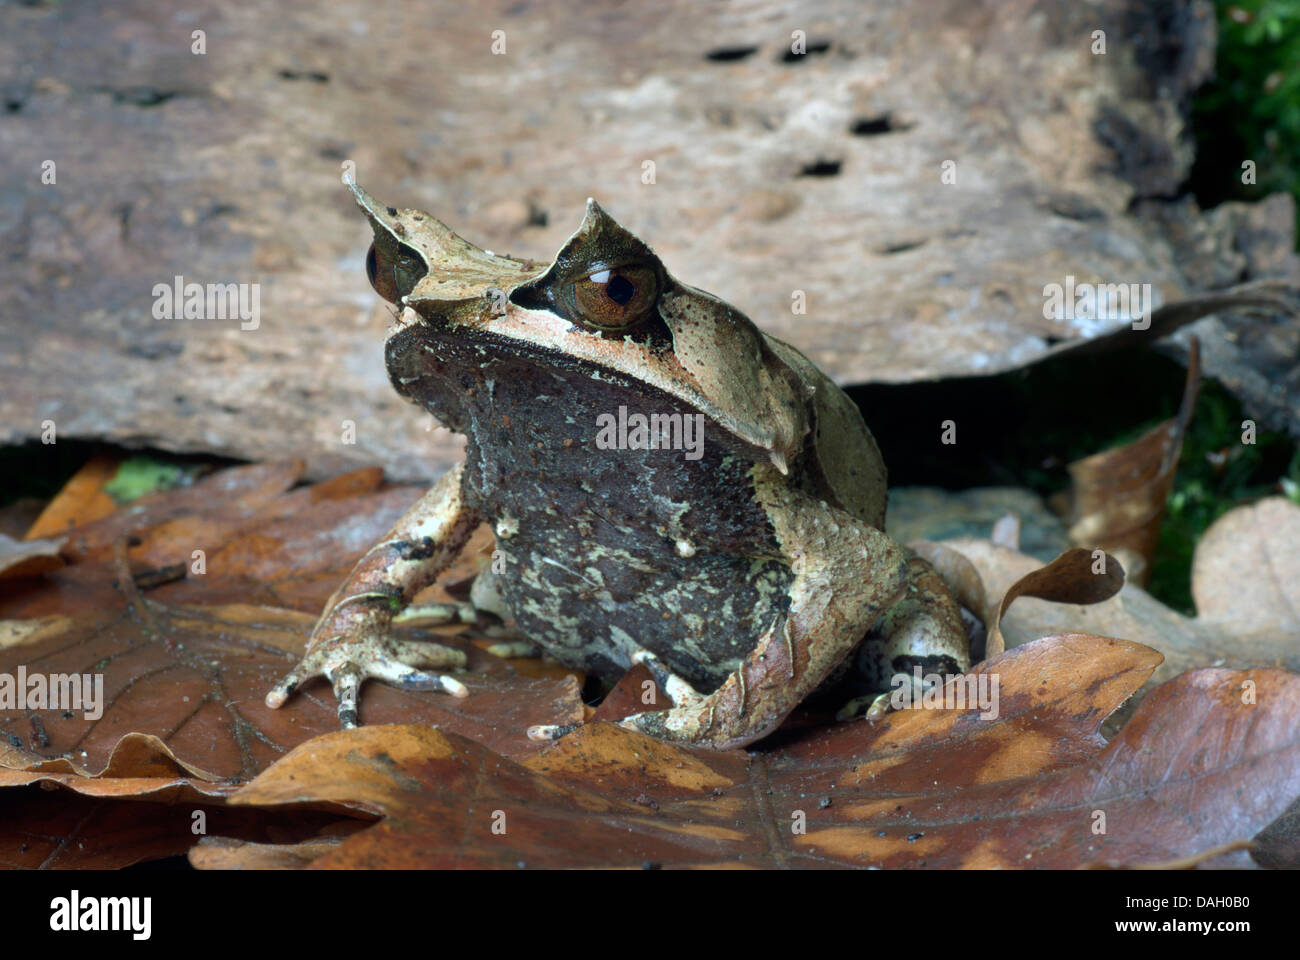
x=1075, y=577
x=223, y=497
x=81, y=501
x=1196, y=768
x=1246, y=571
x=261, y=543
x=682, y=807
x=28, y=558
x=1117, y=497
x=1244, y=578
x=194, y=677
x=222, y=853
x=39, y=831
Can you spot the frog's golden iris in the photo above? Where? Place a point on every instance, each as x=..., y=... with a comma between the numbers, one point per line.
x=620, y=298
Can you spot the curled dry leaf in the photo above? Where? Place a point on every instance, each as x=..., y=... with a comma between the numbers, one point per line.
x=82, y=499
x=1197, y=767
x=140, y=765
x=1075, y=577
x=1117, y=497
x=1245, y=579
x=220, y=853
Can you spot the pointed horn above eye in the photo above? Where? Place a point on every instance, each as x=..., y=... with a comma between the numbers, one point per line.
x=594, y=217
x=377, y=212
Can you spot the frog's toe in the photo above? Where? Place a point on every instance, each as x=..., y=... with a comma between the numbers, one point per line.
x=508, y=649
x=420, y=653
x=347, y=684
x=551, y=731
x=400, y=675
x=433, y=614
x=412, y=665
x=873, y=706
x=679, y=690
x=312, y=665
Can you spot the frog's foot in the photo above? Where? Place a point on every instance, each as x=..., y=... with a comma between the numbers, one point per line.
x=924, y=630
x=679, y=691
x=347, y=661
x=873, y=706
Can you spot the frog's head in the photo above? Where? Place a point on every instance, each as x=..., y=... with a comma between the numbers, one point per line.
x=605, y=299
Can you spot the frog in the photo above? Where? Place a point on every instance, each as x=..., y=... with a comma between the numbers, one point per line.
x=668, y=485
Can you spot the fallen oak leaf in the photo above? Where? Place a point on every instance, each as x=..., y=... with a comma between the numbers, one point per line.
x=1117, y=497
x=921, y=788
x=1245, y=574
x=95, y=833
x=1077, y=576
x=196, y=676
x=29, y=558
x=81, y=500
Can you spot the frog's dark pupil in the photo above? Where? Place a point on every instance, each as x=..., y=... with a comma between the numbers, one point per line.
x=372, y=264
x=620, y=290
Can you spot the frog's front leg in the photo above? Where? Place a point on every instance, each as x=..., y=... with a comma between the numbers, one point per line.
x=351, y=641
x=846, y=574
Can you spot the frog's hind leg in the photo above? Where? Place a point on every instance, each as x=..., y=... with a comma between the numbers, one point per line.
x=845, y=575
x=919, y=641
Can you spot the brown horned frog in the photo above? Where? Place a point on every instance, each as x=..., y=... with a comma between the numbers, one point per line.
x=744, y=569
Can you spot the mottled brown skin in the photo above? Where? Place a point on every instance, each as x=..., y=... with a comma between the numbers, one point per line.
x=743, y=579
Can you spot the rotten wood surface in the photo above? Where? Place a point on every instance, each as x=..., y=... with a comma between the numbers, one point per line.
x=774, y=173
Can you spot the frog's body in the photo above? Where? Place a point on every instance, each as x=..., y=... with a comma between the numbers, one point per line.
x=743, y=564
x=589, y=537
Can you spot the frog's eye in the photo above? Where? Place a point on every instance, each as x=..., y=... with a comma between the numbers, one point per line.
x=617, y=298
x=393, y=277
x=381, y=275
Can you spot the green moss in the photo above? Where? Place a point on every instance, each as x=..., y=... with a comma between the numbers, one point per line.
x=140, y=475
x=1251, y=109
